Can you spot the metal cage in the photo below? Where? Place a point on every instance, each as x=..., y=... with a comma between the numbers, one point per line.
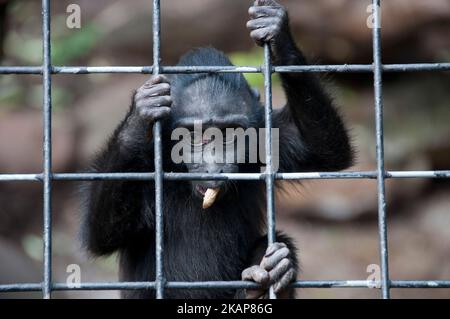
x=269, y=176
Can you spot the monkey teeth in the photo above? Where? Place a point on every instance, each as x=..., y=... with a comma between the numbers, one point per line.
x=210, y=197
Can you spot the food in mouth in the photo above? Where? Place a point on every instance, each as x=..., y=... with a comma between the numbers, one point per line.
x=210, y=197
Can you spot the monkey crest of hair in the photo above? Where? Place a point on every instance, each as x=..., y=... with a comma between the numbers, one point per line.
x=213, y=230
x=210, y=86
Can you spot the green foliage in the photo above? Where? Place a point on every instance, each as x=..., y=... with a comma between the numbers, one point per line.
x=61, y=97
x=32, y=245
x=25, y=48
x=250, y=58
x=254, y=57
x=76, y=44
x=11, y=93
x=67, y=46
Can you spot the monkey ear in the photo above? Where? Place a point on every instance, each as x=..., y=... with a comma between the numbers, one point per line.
x=256, y=93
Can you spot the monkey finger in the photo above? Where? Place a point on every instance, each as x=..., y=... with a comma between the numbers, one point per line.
x=261, y=23
x=154, y=90
x=262, y=35
x=154, y=114
x=157, y=101
x=279, y=270
x=156, y=79
x=261, y=12
x=265, y=295
x=274, y=247
x=257, y=274
x=259, y=35
x=273, y=260
x=285, y=280
x=255, y=293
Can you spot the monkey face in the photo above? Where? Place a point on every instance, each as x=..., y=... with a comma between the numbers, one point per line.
x=211, y=162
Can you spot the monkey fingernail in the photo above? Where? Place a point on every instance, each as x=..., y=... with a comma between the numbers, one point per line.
x=210, y=197
x=270, y=250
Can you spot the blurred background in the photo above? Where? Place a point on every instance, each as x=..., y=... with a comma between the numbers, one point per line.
x=333, y=222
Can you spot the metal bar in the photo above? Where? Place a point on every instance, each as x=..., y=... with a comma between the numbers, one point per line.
x=337, y=68
x=102, y=69
x=20, y=69
x=223, y=176
x=269, y=174
x=47, y=150
x=401, y=284
x=20, y=177
x=157, y=136
x=378, y=95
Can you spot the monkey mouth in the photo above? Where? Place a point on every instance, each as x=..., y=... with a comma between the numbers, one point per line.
x=201, y=189
x=209, y=195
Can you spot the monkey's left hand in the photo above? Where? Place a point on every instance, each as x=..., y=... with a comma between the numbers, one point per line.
x=269, y=23
x=276, y=268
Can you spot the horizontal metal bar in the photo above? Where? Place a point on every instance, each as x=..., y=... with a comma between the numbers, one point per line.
x=338, y=68
x=371, y=284
x=414, y=284
x=102, y=69
x=20, y=287
x=414, y=67
x=211, y=69
x=21, y=70
x=21, y=177
x=361, y=68
x=223, y=176
x=420, y=284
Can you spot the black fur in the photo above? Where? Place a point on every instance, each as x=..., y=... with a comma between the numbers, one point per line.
x=229, y=237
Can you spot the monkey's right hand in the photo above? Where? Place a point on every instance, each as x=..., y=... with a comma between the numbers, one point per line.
x=152, y=100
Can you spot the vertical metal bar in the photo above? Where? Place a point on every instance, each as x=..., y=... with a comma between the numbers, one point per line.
x=378, y=94
x=47, y=149
x=160, y=280
x=268, y=143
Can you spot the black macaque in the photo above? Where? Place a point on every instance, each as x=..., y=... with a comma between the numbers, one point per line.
x=225, y=241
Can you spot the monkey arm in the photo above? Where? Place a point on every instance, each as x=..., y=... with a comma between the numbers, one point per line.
x=115, y=209
x=312, y=134
x=311, y=130
x=118, y=211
